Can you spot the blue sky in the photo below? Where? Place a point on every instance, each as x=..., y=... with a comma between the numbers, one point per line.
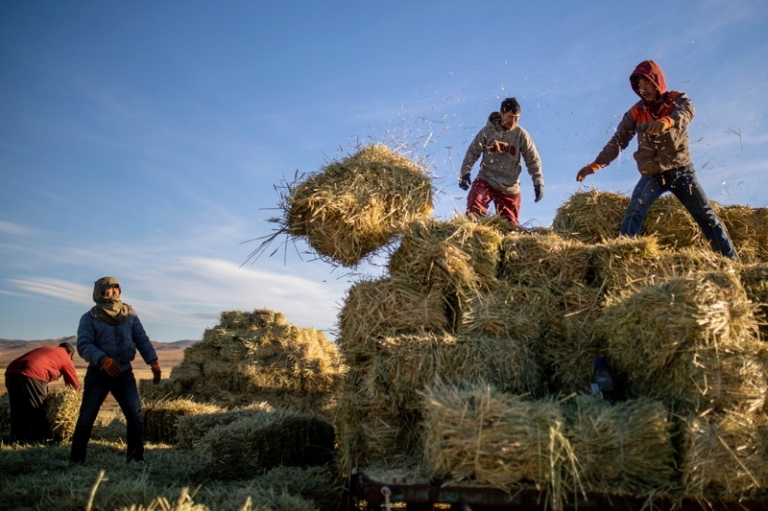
x=143, y=140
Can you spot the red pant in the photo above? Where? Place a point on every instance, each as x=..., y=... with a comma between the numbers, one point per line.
x=480, y=196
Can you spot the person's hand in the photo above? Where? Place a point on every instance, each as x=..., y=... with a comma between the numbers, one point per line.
x=539, y=191
x=464, y=182
x=156, y=373
x=659, y=126
x=586, y=171
x=111, y=367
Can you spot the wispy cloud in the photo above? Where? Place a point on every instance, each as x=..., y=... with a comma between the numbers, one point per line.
x=56, y=288
x=16, y=229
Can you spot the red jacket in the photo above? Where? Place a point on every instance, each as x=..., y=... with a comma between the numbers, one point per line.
x=47, y=364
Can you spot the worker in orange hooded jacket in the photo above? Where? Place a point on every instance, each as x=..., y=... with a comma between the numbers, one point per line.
x=660, y=119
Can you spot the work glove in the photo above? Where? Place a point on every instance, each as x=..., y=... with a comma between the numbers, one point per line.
x=464, y=182
x=111, y=367
x=587, y=170
x=659, y=126
x=156, y=373
x=539, y=191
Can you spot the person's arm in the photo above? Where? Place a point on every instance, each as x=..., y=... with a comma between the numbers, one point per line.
x=618, y=142
x=533, y=165
x=475, y=149
x=143, y=344
x=69, y=373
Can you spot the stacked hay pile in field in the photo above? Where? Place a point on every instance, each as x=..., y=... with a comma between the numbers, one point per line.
x=470, y=305
x=356, y=205
x=259, y=356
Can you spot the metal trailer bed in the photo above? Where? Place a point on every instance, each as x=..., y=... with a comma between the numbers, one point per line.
x=378, y=496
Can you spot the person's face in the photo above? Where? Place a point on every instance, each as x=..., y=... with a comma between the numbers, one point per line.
x=647, y=89
x=509, y=119
x=111, y=291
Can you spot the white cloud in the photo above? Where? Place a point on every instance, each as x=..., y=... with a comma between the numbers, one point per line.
x=56, y=288
x=11, y=228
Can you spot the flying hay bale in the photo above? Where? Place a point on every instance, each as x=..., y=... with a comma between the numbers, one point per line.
x=725, y=456
x=404, y=365
x=476, y=434
x=355, y=206
x=161, y=418
x=544, y=261
x=191, y=428
x=258, y=356
x=458, y=254
x=62, y=407
x=262, y=441
x=624, y=448
x=690, y=342
x=387, y=307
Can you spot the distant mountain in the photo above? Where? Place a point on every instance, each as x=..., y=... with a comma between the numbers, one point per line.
x=14, y=344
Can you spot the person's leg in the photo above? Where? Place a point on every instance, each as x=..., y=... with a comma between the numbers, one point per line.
x=39, y=427
x=646, y=191
x=478, y=198
x=507, y=205
x=95, y=390
x=21, y=410
x=692, y=195
x=127, y=396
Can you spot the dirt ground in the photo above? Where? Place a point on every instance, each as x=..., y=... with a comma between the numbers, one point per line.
x=169, y=355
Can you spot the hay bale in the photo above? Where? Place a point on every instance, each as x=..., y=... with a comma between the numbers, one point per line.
x=160, y=392
x=259, y=442
x=591, y=216
x=491, y=438
x=502, y=311
x=193, y=427
x=458, y=254
x=724, y=456
x=114, y=429
x=62, y=407
x=355, y=206
x=690, y=342
x=544, y=261
x=250, y=355
x=404, y=365
x=160, y=418
x=371, y=434
x=622, y=448
x=569, y=339
x=387, y=307
x=748, y=228
x=754, y=278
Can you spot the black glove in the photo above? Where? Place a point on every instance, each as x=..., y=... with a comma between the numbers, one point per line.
x=539, y=191
x=464, y=182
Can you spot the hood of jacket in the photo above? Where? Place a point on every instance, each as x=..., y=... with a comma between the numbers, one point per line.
x=652, y=71
x=109, y=309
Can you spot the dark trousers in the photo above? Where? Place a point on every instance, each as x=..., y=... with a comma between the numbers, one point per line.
x=96, y=386
x=683, y=183
x=27, y=398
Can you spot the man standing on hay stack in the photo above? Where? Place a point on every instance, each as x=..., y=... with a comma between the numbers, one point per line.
x=661, y=119
x=27, y=379
x=501, y=142
x=107, y=338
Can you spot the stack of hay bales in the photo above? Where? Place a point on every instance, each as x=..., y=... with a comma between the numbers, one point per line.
x=355, y=206
x=471, y=305
x=259, y=356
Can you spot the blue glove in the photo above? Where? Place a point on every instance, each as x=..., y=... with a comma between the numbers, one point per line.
x=539, y=191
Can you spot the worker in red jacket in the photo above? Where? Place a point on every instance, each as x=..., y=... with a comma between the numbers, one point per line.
x=27, y=379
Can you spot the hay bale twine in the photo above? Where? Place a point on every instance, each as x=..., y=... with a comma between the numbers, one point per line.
x=62, y=407
x=161, y=417
x=690, y=342
x=259, y=442
x=355, y=206
x=461, y=253
x=622, y=448
x=724, y=455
